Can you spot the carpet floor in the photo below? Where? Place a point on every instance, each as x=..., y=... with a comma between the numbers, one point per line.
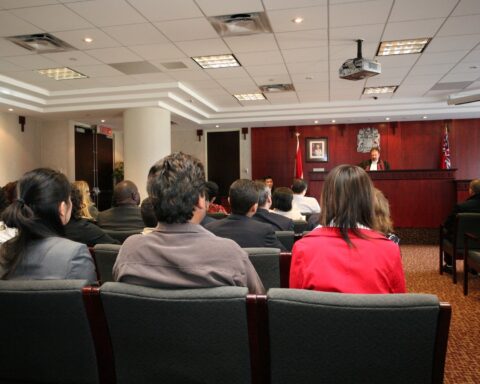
x=463, y=355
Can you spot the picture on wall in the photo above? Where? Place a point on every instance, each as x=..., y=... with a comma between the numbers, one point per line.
x=316, y=149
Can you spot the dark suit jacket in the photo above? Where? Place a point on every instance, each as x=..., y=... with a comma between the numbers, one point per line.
x=278, y=222
x=121, y=218
x=84, y=231
x=366, y=164
x=471, y=205
x=246, y=232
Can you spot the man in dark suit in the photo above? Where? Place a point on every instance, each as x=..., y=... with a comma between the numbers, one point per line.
x=278, y=222
x=239, y=226
x=375, y=163
x=125, y=214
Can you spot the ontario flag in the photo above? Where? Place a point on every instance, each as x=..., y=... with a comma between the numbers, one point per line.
x=445, y=162
x=298, y=160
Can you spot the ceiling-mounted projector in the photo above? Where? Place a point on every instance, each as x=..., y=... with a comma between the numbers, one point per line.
x=359, y=67
x=464, y=98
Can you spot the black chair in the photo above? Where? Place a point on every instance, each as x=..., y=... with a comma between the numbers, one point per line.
x=46, y=335
x=217, y=215
x=323, y=337
x=464, y=222
x=267, y=264
x=299, y=226
x=471, y=259
x=105, y=257
x=287, y=238
x=121, y=236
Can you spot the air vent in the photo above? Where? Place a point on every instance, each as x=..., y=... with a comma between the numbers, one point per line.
x=241, y=24
x=135, y=67
x=277, y=88
x=174, y=65
x=41, y=43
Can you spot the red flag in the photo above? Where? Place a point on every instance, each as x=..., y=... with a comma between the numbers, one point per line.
x=298, y=160
x=445, y=162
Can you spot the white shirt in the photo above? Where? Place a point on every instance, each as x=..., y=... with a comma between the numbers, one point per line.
x=305, y=204
x=373, y=166
x=292, y=214
x=6, y=233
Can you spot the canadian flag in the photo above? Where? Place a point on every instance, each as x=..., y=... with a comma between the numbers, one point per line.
x=445, y=162
x=298, y=160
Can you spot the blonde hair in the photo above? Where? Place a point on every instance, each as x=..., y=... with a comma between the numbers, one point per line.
x=382, y=221
x=86, y=202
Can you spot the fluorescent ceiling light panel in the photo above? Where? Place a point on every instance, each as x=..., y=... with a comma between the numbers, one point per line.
x=250, y=96
x=217, y=61
x=402, y=47
x=62, y=73
x=377, y=90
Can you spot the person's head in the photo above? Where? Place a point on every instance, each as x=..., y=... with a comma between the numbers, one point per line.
x=383, y=222
x=282, y=199
x=212, y=190
x=126, y=193
x=83, y=190
x=243, y=197
x=268, y=181
x=474, y=187
x=10, y=190
x=347, y=200
x=77, y=201
x=264, y=194
x=375, y=154
x=148, y=213
x=176, y=186
x=299, y=186
x=42, y=208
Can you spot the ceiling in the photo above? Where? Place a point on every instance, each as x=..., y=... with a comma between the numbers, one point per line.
x=308, y=55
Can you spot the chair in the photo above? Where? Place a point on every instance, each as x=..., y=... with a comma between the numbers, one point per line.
x=45, y=334
x=299, y=226
x=121, y=236
x=471, y=259
x=287, y=238
x=217, y=215
x=178, y=336
x=325, y=337
x=464, y=222
x=105, y=257
x=267, y=264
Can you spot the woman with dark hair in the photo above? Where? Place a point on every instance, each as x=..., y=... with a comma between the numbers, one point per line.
x=5, y=232
x=39, y=252
x=81, y=229
x=282, y=203
x=345, y=254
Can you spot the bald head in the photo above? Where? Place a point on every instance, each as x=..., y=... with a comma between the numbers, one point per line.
x=126, y=193
x=475, y=186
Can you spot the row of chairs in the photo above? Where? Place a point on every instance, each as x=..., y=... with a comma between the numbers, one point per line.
x=70, y=333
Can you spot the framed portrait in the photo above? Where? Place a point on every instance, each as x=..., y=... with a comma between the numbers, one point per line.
x=316, y=149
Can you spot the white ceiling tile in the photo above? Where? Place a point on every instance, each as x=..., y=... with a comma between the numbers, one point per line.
x=10, y=4
x=284, y=4
x=227, y=73
x=467, y=7
x=394, y=61
x=282, y=97
x=430, y=80
x=30, y=77
x=7, y=66
x=136, y=34
x=7, y=48
x=11, y=25
x=311, y=86
x=215, y=7
x=104, y=13
x=166, y=51
x=153, y=78
x=272, y=69
x=449, y=57
x=411, y=90
x=302, y=39
x=431, y=69
x=359, y=13
x=71, y=58
x=114, y=55
x=313, y=96
x=201, y=84
x=187, y=29
x=459, y=77
x=64, y=18
x=189, y=64
x=189, y=75
x=461, y=25
x=155, y=10
x=86, y=83
x=310, y=77
x=405, y=10
x=76, y=38
x=474, y=85
x=250, y=103
x=32, y=61
x=304, y=55
x=235, y=86
x=307, y=67
x=379, y=81
x=259, y=58
x=273, y=79
x=368, y=33
x=453, y=43
x=117, y=81
x=412, y=29
x=313, y=18
x=472, y=57
x=251, y=43
x=340, y=53
x=203, y=47
x=101, y=70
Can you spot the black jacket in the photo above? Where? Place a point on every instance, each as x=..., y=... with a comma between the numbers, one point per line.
x=278, y=222
x=84, y=231
x=471, y=205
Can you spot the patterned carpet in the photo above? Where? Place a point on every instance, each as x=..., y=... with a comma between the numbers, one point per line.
x=463, y=356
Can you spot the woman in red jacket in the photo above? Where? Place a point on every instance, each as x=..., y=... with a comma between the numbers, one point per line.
x=345, y=254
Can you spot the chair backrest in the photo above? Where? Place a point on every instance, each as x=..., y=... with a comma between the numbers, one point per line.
x=299, y=226
x=178, y=336
x=105, y=257
x=267, y=264
x=121, y=235
x=217, y=215
x=45, y=335
x=287, y=238
x=322, y=337
x=466, y=222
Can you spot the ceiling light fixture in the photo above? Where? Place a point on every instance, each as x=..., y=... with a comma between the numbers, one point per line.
x=217, y=126
x=10, y=109
x=297, y=20
x=424, y=117
x=316, y=122
x=333, y=121
x=61, y=73
x=387, y=118
x=379, y=90
x=102, y=121
x=88, y=40
x=402, y=47
x=249, y=96
x=216, y=61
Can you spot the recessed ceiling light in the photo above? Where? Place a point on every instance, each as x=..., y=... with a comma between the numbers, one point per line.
x=250, y=96
x=387, y=118
x=102, y=121
x=424, y=117
x=10, y=109
x=87, y=39
x=217, y=61
x=217, y=126
x=333, y=121
x=316, y=121
x=377, y=90
x=62, y=73
x=402, y=47
x=297, y=20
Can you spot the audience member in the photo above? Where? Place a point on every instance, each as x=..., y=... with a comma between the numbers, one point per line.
x=212, y=191
x=148, y=215
x=375, y=163
x=302, y=203
x=282, y=204
x=239, y=226
x=88, y=209
x=180, y=253
x=39, y=252
x=5, y=232
x=10, y=190
x=125, y=214
x=80, y=229
x=269, y=182
x=472, y=204
x=383, y=222
x=345, y=254
x=278, y=222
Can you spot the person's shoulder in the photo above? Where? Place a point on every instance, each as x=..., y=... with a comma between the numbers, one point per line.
x=63, y=245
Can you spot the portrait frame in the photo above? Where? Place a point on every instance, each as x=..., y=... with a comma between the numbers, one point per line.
x=316, y=149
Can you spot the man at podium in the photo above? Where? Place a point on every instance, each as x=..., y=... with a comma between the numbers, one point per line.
x=375, y=163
